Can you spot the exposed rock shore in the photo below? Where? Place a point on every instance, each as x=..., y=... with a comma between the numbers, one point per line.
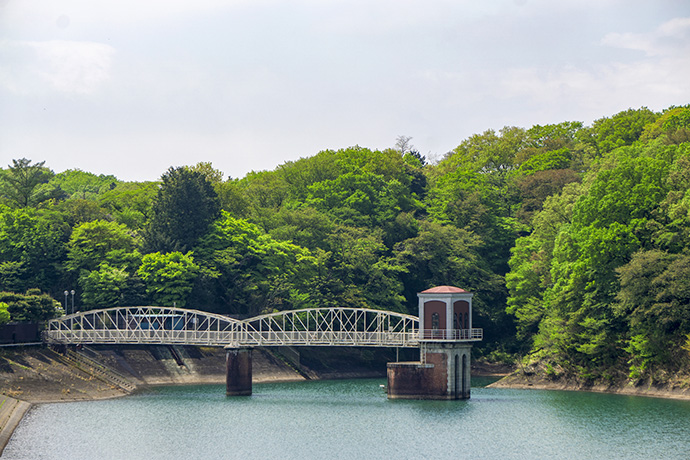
x=674, y=390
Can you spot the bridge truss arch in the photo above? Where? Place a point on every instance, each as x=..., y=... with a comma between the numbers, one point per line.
x=143, y=325
x=334, y=326
x=338, y=326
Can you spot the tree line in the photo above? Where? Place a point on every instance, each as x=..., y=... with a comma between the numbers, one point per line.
x=574, y=238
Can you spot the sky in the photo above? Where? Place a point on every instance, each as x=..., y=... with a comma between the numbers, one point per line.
x=131, y=87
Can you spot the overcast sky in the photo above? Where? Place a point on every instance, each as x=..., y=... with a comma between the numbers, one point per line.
x=132, y=87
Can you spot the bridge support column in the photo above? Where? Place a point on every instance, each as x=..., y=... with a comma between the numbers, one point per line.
x=443, y=372
x=238, y=371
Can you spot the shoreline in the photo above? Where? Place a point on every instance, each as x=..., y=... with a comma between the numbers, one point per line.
x=12, y=412
x=513, y=381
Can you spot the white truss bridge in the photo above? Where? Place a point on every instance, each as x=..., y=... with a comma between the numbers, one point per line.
x=337, y=326
x=176, y=326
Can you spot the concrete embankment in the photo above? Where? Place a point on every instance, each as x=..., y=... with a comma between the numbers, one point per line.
x=11, y=413
x=39, y=374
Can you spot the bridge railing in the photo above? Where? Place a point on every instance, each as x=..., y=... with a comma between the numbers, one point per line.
x=460, y=335
x=234, y=338
x=124, y=336
x=327, y=338
x=146, y=324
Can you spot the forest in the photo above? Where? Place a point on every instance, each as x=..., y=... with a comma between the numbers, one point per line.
x=574, y=239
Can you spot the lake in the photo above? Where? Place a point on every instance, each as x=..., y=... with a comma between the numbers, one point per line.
x=353, y=419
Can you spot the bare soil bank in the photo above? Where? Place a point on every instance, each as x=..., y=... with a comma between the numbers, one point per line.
x=485, y=369
x=679, y=389
x=39, y=374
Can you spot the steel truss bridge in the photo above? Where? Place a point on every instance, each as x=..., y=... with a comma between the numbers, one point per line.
x=176, y=326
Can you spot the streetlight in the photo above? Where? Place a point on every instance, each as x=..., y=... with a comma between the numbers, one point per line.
x=66, y=292
x=72, y=292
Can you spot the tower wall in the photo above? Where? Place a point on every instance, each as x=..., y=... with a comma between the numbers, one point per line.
x=443, y=373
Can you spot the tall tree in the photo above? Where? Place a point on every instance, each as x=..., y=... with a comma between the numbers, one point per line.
x=472, y=189
x=620, y=130
x=182, y=211
x=245, y=271
x=654, y=300
x=105, y=287
x=214, y=176
x=446, y=255
x=129, y=203
x=25, y=184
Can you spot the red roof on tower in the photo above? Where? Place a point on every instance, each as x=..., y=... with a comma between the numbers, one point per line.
x=445, y=290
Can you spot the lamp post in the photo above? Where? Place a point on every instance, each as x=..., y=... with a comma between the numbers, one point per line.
x=72, y=292
x=66, y=292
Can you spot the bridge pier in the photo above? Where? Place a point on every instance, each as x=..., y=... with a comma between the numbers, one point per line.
x=443, y=372
x=238, y=371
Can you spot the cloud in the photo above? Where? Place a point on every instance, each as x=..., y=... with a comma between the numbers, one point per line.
x=56, y=65
x=667, y=39
x=656, y=79
x=603, y=89
x=251, y=83
x=38, y=15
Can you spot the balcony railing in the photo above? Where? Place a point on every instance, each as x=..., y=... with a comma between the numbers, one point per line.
x=460, y=335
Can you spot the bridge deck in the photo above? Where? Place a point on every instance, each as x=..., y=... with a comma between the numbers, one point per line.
x=230, y=339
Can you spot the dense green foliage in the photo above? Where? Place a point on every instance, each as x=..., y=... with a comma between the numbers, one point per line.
x=575, y=239
x=599, y=287
x=4, y=314
x=182, y=211
x=32, y=306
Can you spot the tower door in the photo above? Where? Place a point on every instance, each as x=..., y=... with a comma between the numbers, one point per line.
x=434, y=319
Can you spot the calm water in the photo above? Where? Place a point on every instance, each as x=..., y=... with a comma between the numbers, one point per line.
x=352, y=419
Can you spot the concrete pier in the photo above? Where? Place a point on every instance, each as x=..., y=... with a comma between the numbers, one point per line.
x=443, y=372
x=238, y=366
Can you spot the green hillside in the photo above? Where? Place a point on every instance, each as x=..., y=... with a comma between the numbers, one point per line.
x=575, y=239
